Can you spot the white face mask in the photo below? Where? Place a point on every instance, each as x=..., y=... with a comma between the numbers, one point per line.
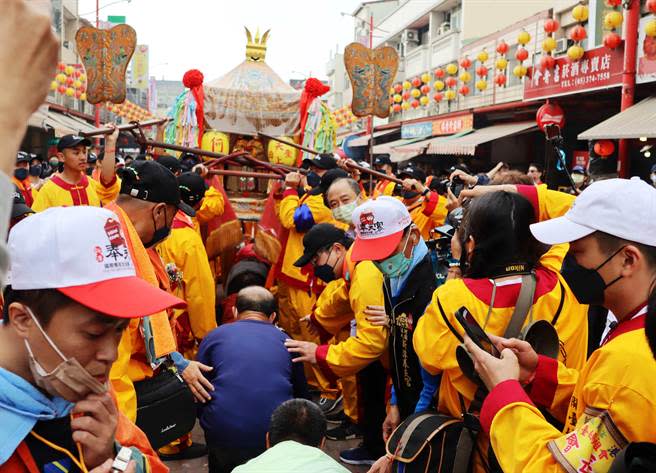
x=653, y=178
x=69, y=373
x=578, y=178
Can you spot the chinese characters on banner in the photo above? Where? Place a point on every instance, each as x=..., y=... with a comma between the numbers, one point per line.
x=449, y=126
x=599, y=68
x=580, y=158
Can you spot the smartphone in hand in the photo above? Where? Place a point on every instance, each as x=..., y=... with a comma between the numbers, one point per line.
x=475, y=332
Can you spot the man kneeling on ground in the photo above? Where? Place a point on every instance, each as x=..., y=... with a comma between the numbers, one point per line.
x=296, y=435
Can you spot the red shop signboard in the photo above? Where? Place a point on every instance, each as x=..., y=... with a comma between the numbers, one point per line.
x=598, y=69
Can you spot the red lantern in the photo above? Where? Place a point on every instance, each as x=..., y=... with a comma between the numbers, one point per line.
x=547, y=62
x=613, y=3
x=481, y=71
x=78, y=93
x=398, y=88
x=451, y=81
x=61, y=89
x=406, y=95
x=551, y=26
x=69, y=81
x=465, y=63
x=651, y=6
x=439, y=73
x=396, y=108
x=425, y=89
x=61, y=67
x=521, y=54
x=464, y=90
x=612, y=40
x=502, y=47
x=550, y=114
x=604, y=148
x=416, y=81
x=77, y=73
x=438, y=97
x=414, y=103
x=578, y=33
x=500, y=80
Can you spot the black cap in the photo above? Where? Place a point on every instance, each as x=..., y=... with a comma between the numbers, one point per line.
x=71, y=141
x=382, y=160
x=23, y=157
x=322, y=161
x=150, y=181
x=19, y=207
x=170, y=162
x=318, y=237
x=327, y=179
x=413, y=173
x=192, y=187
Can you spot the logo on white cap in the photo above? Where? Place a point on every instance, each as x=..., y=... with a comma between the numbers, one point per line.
x=380, y=217
x=83, y=244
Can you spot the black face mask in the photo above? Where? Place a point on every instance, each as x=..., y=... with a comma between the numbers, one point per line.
x=160, y=234
x=313, y=179
x=325, y=272
x=587, y=284
x=20, y=174
x=36, y=170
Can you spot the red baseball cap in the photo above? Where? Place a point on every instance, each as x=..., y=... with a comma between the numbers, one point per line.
x=379, y=226
x=88, y=261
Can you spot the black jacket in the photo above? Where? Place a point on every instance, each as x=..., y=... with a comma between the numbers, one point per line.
x=404, y=314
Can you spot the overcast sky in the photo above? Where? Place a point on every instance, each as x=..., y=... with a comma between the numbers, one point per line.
x=209, y=34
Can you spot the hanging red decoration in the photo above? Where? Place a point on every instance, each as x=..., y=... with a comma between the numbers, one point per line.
x=465, y=63
x=604, y=148
x=612, y=40
x=500, y=80
x=396, y=108
x=398, y=88
x=414, y=103
x=502, y=47
x=451, y=81
x=425, y=89
x=521, y=54
x=613, y=3
x=406, y=95
x=438, y=97
x=550, y=114
x=481, y=71
x=416, y=81
x=578, y=33
x=547, y=63
x=551, y=26
x=464, y=90
x=651, y=6
x=439, y=73
x=61, y=67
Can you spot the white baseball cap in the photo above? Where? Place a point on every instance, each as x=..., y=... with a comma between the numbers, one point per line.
x=624, y=208
x=82, y=252
x=379, y=225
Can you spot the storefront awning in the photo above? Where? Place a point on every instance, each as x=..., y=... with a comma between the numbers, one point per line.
x=416, y=147
x=466, y=143
x=397, y=155
x=66, y=124
x=364, y=140
x=634, y=122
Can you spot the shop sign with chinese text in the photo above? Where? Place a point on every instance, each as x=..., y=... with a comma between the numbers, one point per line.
x=599, y=68
x=413, y=131
x=451, y=125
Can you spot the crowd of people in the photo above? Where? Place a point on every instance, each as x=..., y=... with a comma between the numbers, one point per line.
x=535, y=334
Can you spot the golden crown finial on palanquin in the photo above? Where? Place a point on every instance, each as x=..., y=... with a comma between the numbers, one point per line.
x=256, y=50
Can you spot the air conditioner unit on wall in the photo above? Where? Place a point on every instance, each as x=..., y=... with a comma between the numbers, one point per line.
x=410, y=36
x=561, y=46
